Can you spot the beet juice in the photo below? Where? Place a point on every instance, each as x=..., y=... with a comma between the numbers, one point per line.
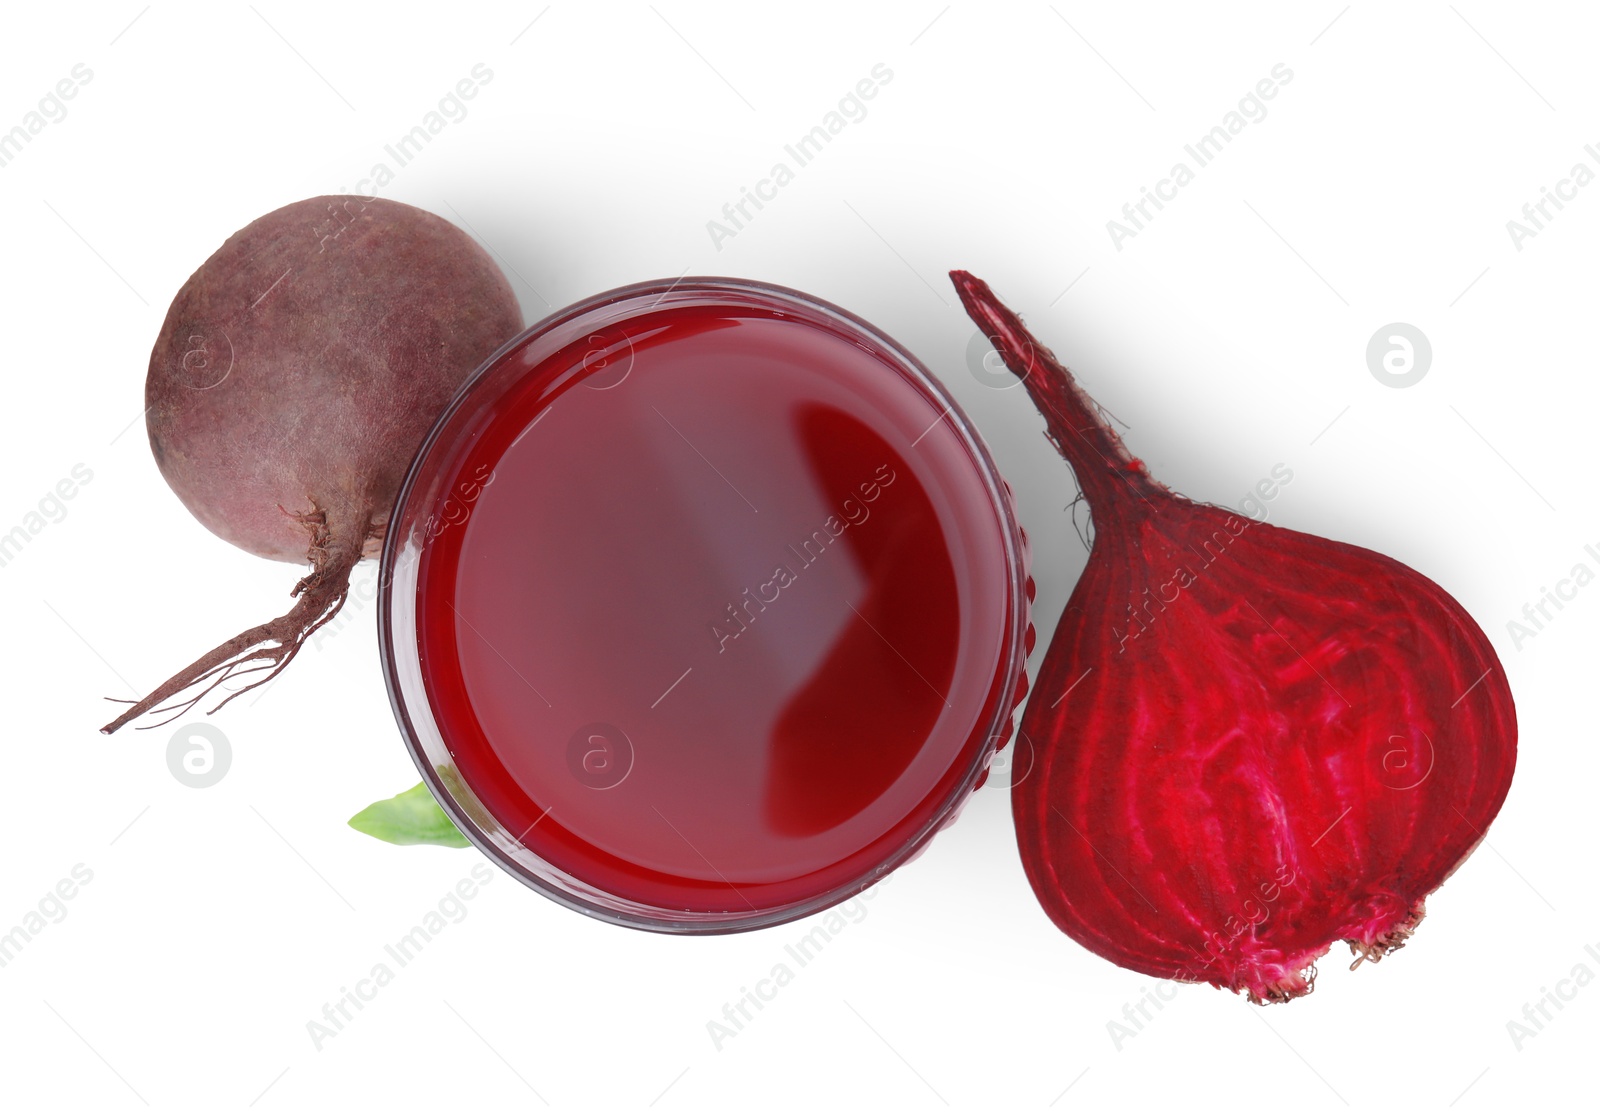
x=704, y=606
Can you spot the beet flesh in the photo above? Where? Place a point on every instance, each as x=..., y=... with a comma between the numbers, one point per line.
x=294, y=377
x=1250, y=742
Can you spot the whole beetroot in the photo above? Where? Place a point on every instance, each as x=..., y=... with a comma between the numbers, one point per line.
x=296, y=373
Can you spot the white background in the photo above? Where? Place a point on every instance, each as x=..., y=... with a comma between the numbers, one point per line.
x=1229, y=335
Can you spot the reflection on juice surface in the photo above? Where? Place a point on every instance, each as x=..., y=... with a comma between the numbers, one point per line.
x=849, y=732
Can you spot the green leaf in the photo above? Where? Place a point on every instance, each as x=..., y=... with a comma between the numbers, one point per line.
x=412, y=818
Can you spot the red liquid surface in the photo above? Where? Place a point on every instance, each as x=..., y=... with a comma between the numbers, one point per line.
x=720, y=622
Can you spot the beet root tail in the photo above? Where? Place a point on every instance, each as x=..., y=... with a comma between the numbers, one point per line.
x=1074, y=422
x=265, y=649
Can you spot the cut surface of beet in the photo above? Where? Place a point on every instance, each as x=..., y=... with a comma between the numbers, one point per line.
x=1250, y=742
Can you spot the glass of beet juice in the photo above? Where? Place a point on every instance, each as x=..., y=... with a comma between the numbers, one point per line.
x=703, y=606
